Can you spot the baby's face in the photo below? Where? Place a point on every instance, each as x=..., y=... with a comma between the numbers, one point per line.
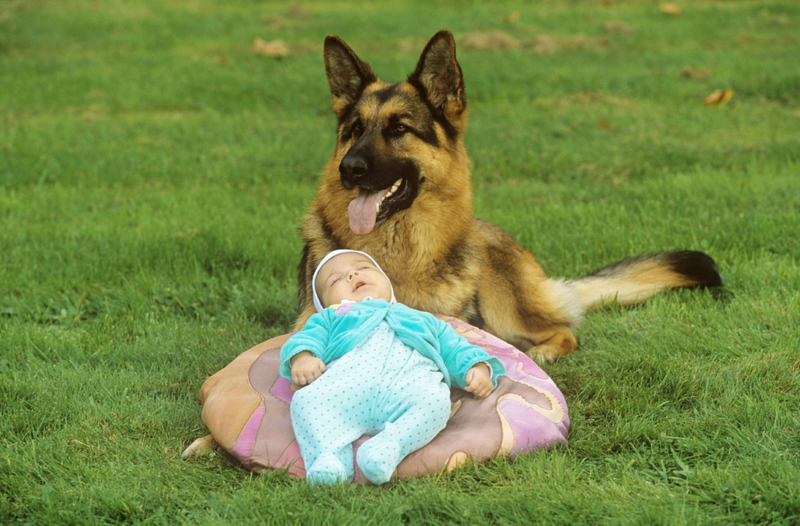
x=353, y=277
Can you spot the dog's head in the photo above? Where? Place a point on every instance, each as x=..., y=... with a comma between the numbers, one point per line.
x=396, y=140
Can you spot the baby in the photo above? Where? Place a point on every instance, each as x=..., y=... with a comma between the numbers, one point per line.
x=390, y=369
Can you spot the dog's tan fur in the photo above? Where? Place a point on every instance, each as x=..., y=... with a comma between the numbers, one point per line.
x=439, y=257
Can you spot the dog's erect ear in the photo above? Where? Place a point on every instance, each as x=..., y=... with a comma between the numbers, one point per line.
x=347, y=74
x=439, y=77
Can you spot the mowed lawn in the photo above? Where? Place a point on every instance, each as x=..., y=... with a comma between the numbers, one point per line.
x=156, y=160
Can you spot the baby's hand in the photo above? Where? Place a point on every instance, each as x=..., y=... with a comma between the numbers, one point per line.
x=479, y=381
x=306, y=368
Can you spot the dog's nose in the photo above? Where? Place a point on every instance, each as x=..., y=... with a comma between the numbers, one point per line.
x=351, y=169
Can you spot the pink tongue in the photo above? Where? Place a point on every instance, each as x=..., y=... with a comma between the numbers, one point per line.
x=362, y=211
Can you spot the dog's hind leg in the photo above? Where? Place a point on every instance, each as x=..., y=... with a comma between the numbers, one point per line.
x=546, y=317
x=543, y=343
x=518, y=303
x=534, y=313
x=553, y=344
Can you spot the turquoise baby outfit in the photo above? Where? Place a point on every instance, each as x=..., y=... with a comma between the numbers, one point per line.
x=389, y=372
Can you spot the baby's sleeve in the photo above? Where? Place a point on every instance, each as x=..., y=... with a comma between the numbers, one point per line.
x=313, y=337
x=460, y=355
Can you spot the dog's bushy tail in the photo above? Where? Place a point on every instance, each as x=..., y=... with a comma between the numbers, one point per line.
x=636, y=279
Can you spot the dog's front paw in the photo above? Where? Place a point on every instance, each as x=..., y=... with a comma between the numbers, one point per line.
x=200, y=446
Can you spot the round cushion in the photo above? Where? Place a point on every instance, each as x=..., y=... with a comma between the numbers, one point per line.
x=246, y=409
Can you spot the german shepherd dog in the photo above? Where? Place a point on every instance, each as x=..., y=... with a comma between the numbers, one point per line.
x=398, y=187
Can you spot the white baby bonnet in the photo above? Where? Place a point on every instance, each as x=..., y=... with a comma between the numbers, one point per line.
x=317, y=302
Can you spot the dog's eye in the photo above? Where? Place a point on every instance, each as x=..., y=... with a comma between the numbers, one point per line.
x=401, y=128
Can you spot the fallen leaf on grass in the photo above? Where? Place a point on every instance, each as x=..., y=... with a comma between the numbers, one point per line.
x=718, y=97
x=694, y=73
x=603, y=125
x=670, y=9
x=274, y=49
x=513, y=18
x=191, y=233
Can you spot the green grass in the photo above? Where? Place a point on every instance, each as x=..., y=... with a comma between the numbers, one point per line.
x=154, y=171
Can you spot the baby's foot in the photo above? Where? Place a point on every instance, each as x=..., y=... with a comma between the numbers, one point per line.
x=378, y=460
x=327, y=470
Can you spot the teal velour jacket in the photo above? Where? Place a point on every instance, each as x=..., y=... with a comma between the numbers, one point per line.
x=334, y=332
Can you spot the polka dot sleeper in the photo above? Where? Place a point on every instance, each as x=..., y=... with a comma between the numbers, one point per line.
x=382, y=388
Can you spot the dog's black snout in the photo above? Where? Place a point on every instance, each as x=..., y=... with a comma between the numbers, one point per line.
x=351, y=169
